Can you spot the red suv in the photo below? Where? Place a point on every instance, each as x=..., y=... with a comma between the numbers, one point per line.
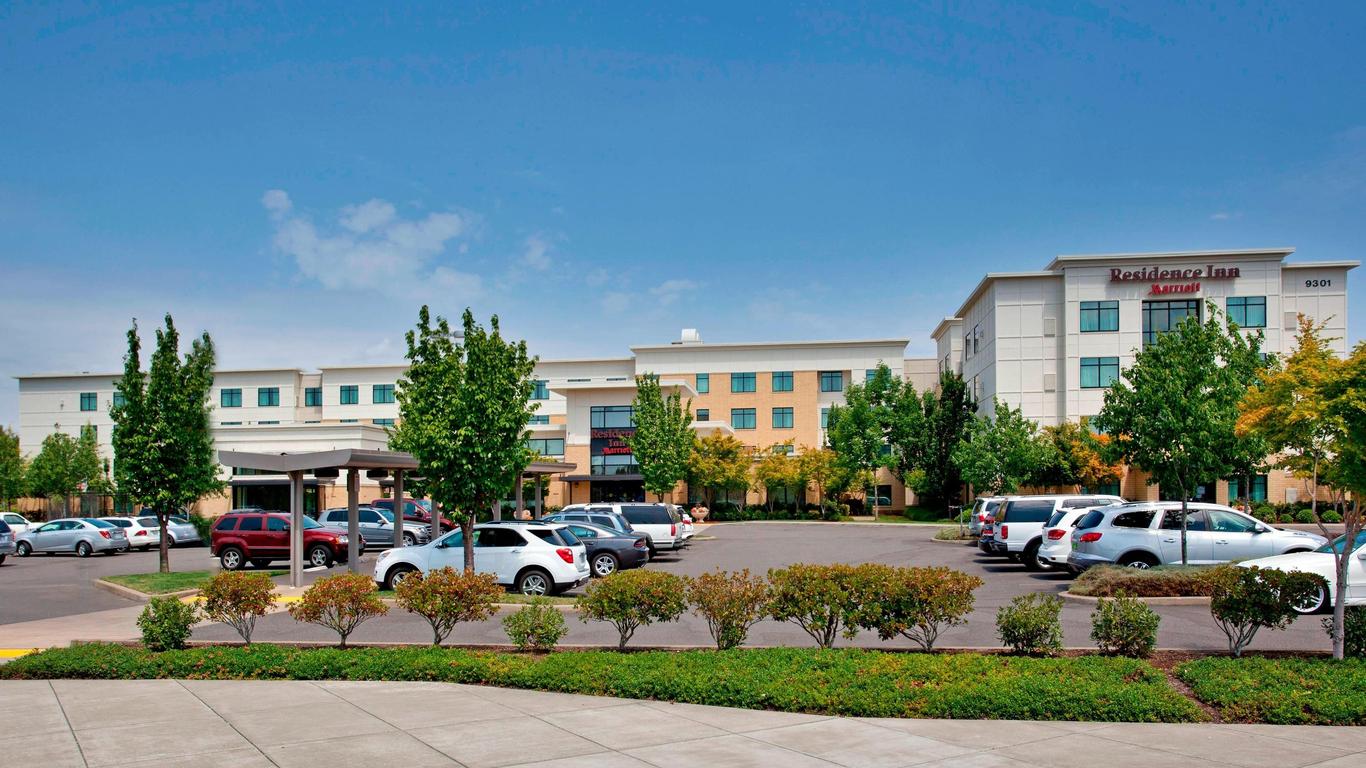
x=261, y=538
x=413, y=511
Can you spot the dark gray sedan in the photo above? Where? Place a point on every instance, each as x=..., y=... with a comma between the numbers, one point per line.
x=610, y=551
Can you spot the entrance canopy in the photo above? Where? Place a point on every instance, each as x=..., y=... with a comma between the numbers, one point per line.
x=329, y=464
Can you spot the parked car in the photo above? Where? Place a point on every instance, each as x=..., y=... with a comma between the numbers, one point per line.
x=531, y=557
x=17, y=523
x=261, y=538
x=376, y=526
x=1321, y=561
x=982, y=508
x=610, y=551
x=180, y=530
x=662, y=524
x=686, y=529
x=414, y=510
x=6, y=541
x=1020, y=521
x=1148, y=533
x=142, y=532
x=82, y=535
x=1057, y=536
x=579, y=513
x=987, y=541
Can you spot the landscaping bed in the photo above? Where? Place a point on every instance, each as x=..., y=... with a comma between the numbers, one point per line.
x=837, y=682
x=1162, y=581
x=167, y=583
x=1312, y=691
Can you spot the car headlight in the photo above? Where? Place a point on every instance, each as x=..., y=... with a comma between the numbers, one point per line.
x=341, y=539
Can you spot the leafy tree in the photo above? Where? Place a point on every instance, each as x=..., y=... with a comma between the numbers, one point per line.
x=856, y=432
x=54, y=472
x=1000, y=453
x=820, y=467
x=13, y=468
x=663, y=438
x=1073, y=455
x=1173, y=412
x=163, y=449
x=719, y=463
x=463, y=409
x=778, y=468
x=947, y=413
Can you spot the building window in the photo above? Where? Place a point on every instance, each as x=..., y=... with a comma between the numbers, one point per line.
x=539, y=418
x=548, y=446
x=230, y=398
x=869, y=375
x=267, y=423
x=350, y=394
x=1098, y=316
x=1108, y=489
x=976, y=338
x=613, y=464
x=119, y=400
x=1099, y=372
x=540, y=390
x=611, y=417
x=384, y=422
x=825, y=418
x=89, y=401
x=742, y=418
x=229, y=423
x=782, y=418
x=785, y=448
x=313, y=397
x=703, y=383
x=382, y=393
x=832, y=381
x=782, y=381
x=1162, y=316
x=742, y=382
x=703, y=414
x=350, y=421
x=1236, y=489
x=1247, y=311
x=268, y=397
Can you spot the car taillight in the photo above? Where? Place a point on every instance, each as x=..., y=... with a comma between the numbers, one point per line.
x=1005, y=531
x=673, y=529
x=140, y=533
x=566, y=554
x=1089, y=537
x=105, y=534
x=639, y=544
x=1055, y=533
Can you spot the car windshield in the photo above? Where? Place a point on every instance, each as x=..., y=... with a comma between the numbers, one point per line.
x=179, y=520
x=99, y=523
x=310, y=524
x=1090, y=519
x=1055, y=519
x=1336, y=545
x=149, y=522
x=387, y=514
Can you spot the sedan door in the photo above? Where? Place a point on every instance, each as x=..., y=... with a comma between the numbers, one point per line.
x=1235, y=537
x=41, y=539
x=1199, y=546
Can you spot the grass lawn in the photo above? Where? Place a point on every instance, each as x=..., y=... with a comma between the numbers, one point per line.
x=909, y=515
x=837, y=682
x=162, y=583
x=1288, y=691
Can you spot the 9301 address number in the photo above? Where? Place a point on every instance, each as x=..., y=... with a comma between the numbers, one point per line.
x=1318, y=283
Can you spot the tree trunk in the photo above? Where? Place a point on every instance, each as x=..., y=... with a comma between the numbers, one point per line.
x=467, y=528
x=163, y=552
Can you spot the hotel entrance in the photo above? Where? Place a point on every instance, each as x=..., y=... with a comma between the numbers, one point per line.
x=609, y=491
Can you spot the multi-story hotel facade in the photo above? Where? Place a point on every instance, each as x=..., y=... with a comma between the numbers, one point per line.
x=1048, y=342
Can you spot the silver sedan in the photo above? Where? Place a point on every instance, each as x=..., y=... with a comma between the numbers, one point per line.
x=82, y=535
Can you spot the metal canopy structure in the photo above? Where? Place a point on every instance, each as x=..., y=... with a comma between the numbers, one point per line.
x=330, y=464
x=535, y=471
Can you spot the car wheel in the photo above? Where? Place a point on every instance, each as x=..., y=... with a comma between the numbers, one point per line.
x=1318, y=602
x=409, y=540
x=319, y=556
x=2, y=559
x=230, y=558
x=24, y=549
x=535, y=581
x=83, y=549
x=397, y=575
x=604, y=564
x=1029, y=558
x=260, y=563
x=170, y=541
x=1138, y=560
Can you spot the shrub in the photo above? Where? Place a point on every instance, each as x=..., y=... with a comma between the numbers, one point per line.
x=1332, y=517
x=1124, y=626
x=341, y=603
x=537, y=626
x=238, y=599
x=1304, y=516
x=1031, y=625
x=824, y=600
x=202, y=524
x=1265, y=512
x=730, y=602
x=915, y=603
x=1248, y=599
x=633, y=599
x=1355, y=626
x=1163, y=581
x=445, y=597
x=1284, y=691
x=166, y=623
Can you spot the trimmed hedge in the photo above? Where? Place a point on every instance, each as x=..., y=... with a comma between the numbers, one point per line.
x=1284, y=691
x=1163, y=581
x=836, y=682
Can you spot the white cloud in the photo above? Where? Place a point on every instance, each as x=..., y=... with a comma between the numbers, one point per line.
x=536, y=253
x=616, y=302
x=670, y=290
x=371, y=247
x=1225, y=215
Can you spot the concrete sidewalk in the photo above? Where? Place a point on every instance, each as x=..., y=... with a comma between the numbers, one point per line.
x=249, y=723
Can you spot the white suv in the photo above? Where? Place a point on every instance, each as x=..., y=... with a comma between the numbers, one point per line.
x=527, y=557
x=1020, y=522
x=661, y=522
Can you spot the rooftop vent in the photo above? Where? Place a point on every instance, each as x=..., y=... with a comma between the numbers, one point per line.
x=689, y=336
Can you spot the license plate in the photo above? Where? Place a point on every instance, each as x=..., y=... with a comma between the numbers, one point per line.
x=1074, y=546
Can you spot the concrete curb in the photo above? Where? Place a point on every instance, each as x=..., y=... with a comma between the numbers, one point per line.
x=1148, y=600
x=134, y=594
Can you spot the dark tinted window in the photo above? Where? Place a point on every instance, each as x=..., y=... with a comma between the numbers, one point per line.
x=605, y=521
x=992, y=505
x=578, y=518
x=568, y=537
x=1142, y=518
x=1027, y=511
x=1080, y=503
x=551, y=537
x=100, y=523
x=249, y=524
x=4, y=527
x=642, y=514
x=1195, y=520
x=1090, y=519
x=121, y=523
x=369, y=516
x=583, y=533
x=276, y=524
x=498, y=537
x=1055, y=519
x=149, y=522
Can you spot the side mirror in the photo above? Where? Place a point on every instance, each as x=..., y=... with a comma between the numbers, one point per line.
x=1361, y=554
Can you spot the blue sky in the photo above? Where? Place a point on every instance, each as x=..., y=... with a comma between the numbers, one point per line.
x=299, y=181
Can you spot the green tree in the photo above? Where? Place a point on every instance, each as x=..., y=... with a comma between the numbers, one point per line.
x=13, y=468
x=946, y=413
x=1172, y=413
x=1074, y=455
x=777, y=468
x=819, y=466
x=719, y=463
x=856, y=432
x=463, y=409
x=663, y=438
x=54, y=472
x=999, y=453
x=163, y=448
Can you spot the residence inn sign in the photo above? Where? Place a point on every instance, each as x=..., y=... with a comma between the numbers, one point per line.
x=1191, y=275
